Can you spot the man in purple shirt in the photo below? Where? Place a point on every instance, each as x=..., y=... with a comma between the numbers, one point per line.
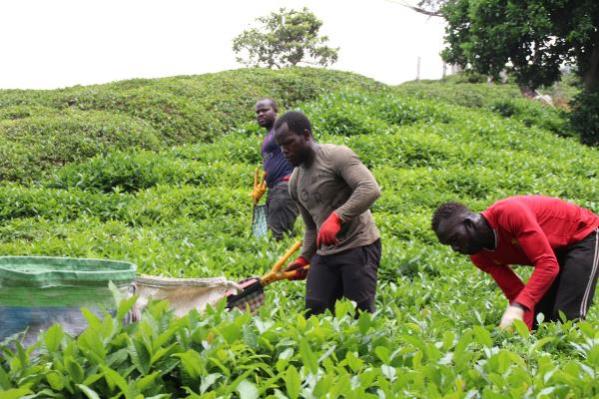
x=281, y=209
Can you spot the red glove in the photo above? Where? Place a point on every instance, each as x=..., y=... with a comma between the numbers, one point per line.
x=299, y=265
x=327, y=235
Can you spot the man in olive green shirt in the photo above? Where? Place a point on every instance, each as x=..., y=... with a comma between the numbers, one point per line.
x=334, y=191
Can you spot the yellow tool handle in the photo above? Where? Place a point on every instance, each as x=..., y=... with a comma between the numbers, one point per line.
x=256, y=176
x=275, y=273
x=283, y=259
x=278, y=276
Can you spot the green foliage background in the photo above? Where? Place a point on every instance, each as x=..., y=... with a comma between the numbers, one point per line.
x=531, y=40
x=285, y=38
x=158, y=172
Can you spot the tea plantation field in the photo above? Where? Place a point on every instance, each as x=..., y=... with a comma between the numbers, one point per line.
x=158, y=172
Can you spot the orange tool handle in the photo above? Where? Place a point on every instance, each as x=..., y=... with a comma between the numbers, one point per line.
x=275, y=273
x=272, y=277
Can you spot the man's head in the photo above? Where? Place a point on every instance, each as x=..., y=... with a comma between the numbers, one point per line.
x=266, y=112
x=293, y=133
x=457, y=226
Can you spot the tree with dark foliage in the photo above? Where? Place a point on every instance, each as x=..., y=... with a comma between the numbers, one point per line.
x=533, y=40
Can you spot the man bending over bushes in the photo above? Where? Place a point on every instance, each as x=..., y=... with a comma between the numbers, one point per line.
x=334, y=191
x=558, y=238
x=281, y=210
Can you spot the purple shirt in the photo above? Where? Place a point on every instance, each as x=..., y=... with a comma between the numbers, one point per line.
x=275, y=164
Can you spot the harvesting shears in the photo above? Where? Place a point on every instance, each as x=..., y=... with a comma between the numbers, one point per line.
x=253, y=288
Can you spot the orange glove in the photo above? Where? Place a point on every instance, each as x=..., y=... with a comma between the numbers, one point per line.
x=299, y=265
x=327, y=235
x=259, y=188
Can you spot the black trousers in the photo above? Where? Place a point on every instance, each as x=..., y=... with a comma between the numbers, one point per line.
x=574, y=287
x=281, y=210
x=351, y=274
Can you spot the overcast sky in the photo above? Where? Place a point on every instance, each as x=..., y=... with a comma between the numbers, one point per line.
x=58, y=43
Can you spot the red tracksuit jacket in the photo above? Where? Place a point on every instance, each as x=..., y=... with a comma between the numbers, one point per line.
x=528, y=229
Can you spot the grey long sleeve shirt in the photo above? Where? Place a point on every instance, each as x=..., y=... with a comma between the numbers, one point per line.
x=335, y=181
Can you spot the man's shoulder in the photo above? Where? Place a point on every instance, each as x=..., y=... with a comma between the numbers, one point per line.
x=335, y=152
x=512, y=212
x=293, y=177
x=293, y=182
x=335, y=148
x=269, y=135
x=509, y=204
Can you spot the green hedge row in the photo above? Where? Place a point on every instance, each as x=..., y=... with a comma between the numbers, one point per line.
x=43, y=129
x=505, y=100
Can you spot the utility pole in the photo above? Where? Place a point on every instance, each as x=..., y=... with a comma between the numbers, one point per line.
x=418, y=68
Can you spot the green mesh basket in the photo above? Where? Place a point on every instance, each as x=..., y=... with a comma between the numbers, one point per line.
x=52, y=281
x=259, y=223
x=37, y=292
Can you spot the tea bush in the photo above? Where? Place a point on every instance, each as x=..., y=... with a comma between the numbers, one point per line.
x=531, y=114
x=60, y=205
x=32, y=145
x=124, y=172
x=184, y=210
x=504, y=99
x=43, y=129
x=473, y=95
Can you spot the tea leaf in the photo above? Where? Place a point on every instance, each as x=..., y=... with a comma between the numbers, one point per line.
x=247, y=390
x=292, y=382
x=90, y=393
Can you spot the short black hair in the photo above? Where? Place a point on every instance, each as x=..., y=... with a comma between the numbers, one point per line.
x=296, y=121
x=445, y=211
x=272, y=102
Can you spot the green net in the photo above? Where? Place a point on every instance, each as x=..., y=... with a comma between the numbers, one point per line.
x=52, y=281
x=38, y=291
x=259, y=224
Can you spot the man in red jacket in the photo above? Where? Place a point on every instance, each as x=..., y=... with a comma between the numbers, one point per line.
x=558, y=238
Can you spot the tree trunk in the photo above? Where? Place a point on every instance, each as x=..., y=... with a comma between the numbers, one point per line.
x=527, y=91
x=591, y=77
